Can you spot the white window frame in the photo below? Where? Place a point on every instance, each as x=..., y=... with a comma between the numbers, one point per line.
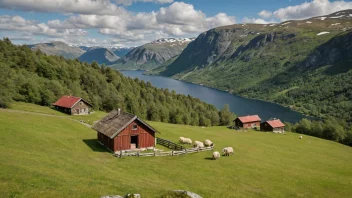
x=134, y=127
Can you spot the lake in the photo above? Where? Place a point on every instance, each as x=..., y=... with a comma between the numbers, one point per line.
x=239, y=105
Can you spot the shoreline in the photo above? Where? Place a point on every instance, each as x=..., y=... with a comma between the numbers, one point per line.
x=228, y=92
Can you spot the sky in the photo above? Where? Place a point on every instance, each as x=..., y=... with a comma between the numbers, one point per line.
x=126, y=23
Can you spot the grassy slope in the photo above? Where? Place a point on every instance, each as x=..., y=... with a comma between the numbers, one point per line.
x=45, y=156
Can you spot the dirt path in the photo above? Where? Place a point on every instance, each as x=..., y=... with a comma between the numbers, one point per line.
x=43, y=114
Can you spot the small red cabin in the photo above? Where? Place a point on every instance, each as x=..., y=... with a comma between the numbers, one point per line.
x=124, y=131
x=274, y=125
x=72, y=105
x=247, y=122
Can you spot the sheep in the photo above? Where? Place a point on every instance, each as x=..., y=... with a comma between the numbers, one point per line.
x=227, y=151
x=198, y=144
x=184, y=140
x=216, y=155
x=208, y=143
x=300, y=137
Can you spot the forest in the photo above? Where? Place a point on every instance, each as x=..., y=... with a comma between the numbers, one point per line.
x=34, y=77
x=331, y=129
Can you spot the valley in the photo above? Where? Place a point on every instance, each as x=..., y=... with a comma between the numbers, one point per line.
x=61, y=157
x=302, y=64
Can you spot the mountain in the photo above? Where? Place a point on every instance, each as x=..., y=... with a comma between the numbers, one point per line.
x=118, y=51
x=100, y=55
x=152, y=54
x=59, y=49
x=303, y=64
x=121, y=51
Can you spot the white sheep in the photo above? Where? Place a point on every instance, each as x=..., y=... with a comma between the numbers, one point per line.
x=216, y=155
x=198, y=144
x=208, y=143
x=184, y=140
x=300, y=137
x=227, y=151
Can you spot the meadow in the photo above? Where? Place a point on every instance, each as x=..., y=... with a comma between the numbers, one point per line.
x=55, y=156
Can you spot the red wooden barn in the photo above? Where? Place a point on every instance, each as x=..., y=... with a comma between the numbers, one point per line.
x=124, y=131
x=274, y=125
x=247, y=122
x=72, y=105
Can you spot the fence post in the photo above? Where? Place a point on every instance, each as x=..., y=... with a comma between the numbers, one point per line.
x=154, y=153
x=198, y=150
x=172, y=153
x=138, y=153
x=186, y=151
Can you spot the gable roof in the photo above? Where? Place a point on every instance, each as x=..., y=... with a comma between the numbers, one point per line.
x=252, y=118
x=275, y=123
x=68, y=101
x=112, y=124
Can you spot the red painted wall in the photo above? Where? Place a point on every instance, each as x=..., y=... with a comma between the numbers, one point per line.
x=146, y=137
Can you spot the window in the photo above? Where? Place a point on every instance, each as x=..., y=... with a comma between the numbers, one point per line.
x=80, y=103
x=134, y=127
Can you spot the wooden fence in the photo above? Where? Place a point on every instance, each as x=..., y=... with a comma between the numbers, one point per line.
x=169, y=144
x=168, y=153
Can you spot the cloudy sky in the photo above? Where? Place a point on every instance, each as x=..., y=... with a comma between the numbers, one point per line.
x=135, y=22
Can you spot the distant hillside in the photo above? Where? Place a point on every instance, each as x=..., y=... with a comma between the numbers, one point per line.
x=33, y=77
x=303, y=64
x=59, y=49
x=152, y=54
x=121, y=51
x=100, y=55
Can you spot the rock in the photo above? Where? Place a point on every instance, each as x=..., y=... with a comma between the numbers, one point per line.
x=112, y=196
x=190, y=194
x=133, y=196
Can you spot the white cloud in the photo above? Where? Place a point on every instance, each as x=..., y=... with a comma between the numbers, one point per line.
x=256, y=20
x=176, y=20
x=64, y=6
x=17, y=23
x=265, y=14
x=129, y=2
x=311, y=9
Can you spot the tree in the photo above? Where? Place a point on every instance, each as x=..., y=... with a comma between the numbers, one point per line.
x=226, y=117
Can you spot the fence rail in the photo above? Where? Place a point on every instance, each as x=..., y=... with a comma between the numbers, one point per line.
x=169, y=144
x=168, y=153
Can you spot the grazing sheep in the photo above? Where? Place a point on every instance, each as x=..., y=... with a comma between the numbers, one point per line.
x=198, y=144
x=227, y=151
x=208, y=143
x=300, y=137
x=216, y=155
x=184, y=140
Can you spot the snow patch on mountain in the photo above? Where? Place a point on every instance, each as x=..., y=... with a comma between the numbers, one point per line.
x=322, y=33
x=172, y=40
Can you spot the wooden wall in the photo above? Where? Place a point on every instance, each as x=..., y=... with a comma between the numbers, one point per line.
x=80, y=105
x=246, y=125
x=146, y=137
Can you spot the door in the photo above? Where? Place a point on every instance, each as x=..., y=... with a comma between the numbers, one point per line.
x=134, y=141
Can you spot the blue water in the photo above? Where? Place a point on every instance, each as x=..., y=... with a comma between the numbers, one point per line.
x=239, y=105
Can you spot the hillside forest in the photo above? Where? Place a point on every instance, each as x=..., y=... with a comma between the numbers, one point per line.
x=34, y=77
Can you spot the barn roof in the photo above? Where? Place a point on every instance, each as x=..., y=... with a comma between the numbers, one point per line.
x=251, y=118
x=68, y=101
x=112, y=124
x=275, y=123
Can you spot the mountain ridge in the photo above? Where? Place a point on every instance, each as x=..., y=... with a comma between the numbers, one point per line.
x=276, y=62
x=58, y=48
x=152, y=54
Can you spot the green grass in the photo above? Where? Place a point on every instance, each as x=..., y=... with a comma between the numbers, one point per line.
x=21, y=106
x=47, y=156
